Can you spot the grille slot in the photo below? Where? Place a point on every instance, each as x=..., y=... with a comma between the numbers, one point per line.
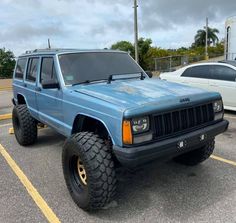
x=182, y=120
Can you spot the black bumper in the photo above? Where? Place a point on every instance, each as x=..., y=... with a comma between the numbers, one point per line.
x=135, y=156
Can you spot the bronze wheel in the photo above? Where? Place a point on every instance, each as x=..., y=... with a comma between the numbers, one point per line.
x=81, y=172
x=89, y=170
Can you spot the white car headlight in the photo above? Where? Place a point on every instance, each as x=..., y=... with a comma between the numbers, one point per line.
x=140, y=125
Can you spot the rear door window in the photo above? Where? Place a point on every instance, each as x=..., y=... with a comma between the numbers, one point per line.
x=223, y=73
x=202, y=71
x=20, y=68
x=47, y=70
x=32, y=69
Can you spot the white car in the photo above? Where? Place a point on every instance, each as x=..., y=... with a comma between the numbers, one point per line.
x=214, y=76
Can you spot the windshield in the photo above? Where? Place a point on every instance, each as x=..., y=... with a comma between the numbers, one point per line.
x=84, y=67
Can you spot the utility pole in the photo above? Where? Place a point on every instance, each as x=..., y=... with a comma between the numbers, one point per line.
x=206, y=49
x=136, y=30
x=49, y=44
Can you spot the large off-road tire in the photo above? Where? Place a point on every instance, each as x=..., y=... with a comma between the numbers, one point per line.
x=25, y=126
x=88, y=170
x=196, y=156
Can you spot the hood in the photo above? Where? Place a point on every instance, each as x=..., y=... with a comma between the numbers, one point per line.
x=135, y=93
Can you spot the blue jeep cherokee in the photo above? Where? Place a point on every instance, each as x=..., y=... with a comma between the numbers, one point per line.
x=112, y=113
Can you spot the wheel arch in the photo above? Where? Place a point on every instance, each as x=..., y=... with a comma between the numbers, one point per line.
x=80, y=121
x=21, y=99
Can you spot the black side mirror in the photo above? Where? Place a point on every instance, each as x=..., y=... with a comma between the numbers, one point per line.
x=50, y=84
x=149, y=73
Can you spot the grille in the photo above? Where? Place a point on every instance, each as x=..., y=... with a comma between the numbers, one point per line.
x=174, y=122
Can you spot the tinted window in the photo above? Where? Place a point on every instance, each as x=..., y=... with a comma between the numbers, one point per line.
x=20, y=68
x=231, y=62
x=80, y=67
x=32, y=69
x=198, y=72
x=47, y=69
x=223, y=73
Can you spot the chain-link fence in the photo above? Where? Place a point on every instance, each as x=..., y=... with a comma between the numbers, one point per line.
x=170, y=63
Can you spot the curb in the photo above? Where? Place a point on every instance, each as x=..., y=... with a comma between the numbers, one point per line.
x=5, y=116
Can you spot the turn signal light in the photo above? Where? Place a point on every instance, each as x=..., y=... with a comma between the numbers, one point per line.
x=127, y=133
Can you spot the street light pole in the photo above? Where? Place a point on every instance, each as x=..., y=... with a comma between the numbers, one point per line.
x=206, y=49
x=136, y=30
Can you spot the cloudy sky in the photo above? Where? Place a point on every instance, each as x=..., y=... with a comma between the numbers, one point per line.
x=26, y=24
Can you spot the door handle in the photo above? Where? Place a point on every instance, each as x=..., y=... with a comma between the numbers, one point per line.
x=38, y=89
x=213, y=85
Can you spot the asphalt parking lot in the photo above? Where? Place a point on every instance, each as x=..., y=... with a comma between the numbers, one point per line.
x=166, y=192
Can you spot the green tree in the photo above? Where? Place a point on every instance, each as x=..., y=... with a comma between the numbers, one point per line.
x=147, y=52
x=124, y=46
x=144, y=45
x=7, y=63
x=200, y=37
x=154, y=52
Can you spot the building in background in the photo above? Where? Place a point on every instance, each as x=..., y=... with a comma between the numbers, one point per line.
x=230, y=38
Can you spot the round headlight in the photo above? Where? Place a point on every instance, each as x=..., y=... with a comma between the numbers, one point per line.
x=140, y=125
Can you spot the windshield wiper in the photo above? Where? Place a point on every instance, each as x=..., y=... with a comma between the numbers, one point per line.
x=88, y=82
x=83, y=82
x=110, y=78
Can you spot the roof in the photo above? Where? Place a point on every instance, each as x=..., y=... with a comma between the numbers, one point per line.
x=207, y=63
x=231, y=62
x=64, y=51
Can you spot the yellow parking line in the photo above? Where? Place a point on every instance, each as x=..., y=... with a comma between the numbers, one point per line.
x=5, y=116
x=11, y=131
x=41, y=203
x=5, y=89
x=223, y=160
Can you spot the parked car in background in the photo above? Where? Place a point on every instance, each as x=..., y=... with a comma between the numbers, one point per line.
x=215, y=76
x=231, y=62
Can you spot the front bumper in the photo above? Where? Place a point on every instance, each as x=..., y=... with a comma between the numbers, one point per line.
x=165, y=149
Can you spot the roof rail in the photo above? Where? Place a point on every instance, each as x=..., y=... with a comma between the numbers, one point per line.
x=48, y=49
x=42, y=50
x=28, y=51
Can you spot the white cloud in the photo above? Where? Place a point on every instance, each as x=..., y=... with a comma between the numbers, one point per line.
x=97, y=24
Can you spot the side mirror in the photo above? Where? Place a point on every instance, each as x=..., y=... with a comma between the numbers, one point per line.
x=149, y=73
x=50, y=84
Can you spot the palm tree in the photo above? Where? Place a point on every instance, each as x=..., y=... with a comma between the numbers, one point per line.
x=200, y=37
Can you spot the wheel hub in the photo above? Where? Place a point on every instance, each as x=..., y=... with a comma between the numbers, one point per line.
x=81, y=172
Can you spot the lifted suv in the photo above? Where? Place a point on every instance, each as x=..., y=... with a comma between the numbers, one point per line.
x=111, y=113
